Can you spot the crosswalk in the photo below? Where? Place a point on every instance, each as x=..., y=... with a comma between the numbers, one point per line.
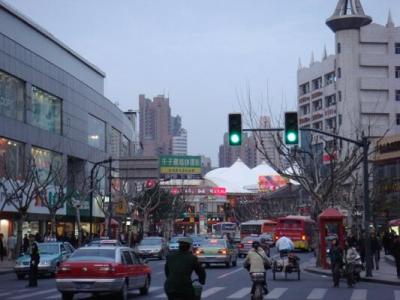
x=216, y=292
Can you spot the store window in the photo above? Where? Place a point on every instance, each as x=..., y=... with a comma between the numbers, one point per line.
x=11, y=158
x=124, y=146
x=96, y=133
x=46, y=161
x=46, y=111
x=11, y=97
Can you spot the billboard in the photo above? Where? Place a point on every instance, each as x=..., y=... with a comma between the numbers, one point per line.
x=172, y=164
x=271, y=183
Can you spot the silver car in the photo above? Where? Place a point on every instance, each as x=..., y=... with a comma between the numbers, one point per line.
x=153, y=247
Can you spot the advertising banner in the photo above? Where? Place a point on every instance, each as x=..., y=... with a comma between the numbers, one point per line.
x=170, y=164
x=271, y=183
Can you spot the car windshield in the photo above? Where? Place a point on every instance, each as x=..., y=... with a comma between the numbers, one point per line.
x=150, y=242
x=49, y=248
x=93, y=254
x=213, y=243
x=174, y=240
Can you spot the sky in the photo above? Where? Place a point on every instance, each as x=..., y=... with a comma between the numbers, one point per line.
x=208, y=56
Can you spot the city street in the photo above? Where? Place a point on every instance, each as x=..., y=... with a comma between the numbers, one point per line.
x=223, y=283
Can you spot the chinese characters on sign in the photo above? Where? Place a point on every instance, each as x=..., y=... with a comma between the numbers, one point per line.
x=180, y=165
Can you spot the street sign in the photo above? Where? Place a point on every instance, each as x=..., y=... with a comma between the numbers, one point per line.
x=172, y=164
x=139, y=168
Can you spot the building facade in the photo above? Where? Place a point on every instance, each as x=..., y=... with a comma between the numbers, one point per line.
x=179, y=142
x=356, y=90
x=52, y=104
x=267, y=142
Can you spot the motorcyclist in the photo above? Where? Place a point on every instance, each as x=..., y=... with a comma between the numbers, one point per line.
x=352, y=258
x=255, y=259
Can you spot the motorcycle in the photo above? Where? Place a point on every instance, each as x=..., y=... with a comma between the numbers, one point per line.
x=258, y=280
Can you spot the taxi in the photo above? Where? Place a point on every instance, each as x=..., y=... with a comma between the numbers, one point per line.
x=105, y=269
x=217, y=251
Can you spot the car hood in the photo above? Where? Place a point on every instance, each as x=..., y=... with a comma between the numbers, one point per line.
x=43, y=257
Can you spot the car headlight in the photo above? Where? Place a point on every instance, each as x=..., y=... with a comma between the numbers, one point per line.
x=19, y=263
x=45, y=263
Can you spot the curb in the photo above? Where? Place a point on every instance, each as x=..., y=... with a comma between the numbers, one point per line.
x=365, y=279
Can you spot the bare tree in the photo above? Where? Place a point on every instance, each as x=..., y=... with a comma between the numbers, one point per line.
x=21, y=187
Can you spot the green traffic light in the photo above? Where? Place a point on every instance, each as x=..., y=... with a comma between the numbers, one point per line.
x=234, y=138
x=291, y=137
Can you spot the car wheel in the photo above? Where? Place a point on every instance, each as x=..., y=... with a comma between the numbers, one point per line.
x=123, y=293
x=20, y=276
x=145, y=289
x=67, y=296
x=228, y=264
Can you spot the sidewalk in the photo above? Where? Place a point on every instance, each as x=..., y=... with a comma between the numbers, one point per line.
x=7, y=266
x=386, y=273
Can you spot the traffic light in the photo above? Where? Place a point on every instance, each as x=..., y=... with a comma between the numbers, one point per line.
x=235, y=129
x=291, y=129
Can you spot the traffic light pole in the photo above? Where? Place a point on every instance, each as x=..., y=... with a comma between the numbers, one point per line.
x=364, y=144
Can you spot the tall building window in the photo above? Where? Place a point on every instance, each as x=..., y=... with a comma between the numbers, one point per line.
x=96, y=133
x=397, y=119
x=330, y=78
x=339, y=72
x=304, y=88
x=339, y=48
x=317, y=83
x=330, y=124
x=340, y=96
x=45, y=161
x=124, y=150
x=317, y=105
x=317, y=125
x=11, y=158
x=340, y=119
x=11, y=97
x=330, y=100
x=46, y=111
x=397, y=72
x=397, y=48
x=305, y=109
x=397, y=95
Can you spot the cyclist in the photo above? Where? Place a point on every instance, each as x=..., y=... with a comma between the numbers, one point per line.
x=255, y=263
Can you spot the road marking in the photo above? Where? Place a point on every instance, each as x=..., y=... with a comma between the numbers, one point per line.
x=33, y=294
x=396, y=295
x=155, y=288
x=230, y=273
x=240, y=293
x=359, y=295
x=5, y=294
x=163, y=295
x=317, y=294
x=211, y=291
x=276, y=293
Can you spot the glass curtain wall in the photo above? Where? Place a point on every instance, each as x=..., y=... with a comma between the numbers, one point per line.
x=11, y=97
x=96, y=133
x=46, y=161
x=46, y=111
x=11, y=158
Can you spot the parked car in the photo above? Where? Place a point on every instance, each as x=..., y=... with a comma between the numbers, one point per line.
x=217, y=251
x=153, y=247
x=246, y=244
x=51, y=254
x=108, y=269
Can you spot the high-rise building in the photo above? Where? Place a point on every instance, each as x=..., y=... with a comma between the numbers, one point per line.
x=176, y=125
x=357, y=89
x=246, y=152
x=179, y=143
x=267, y=143
x=155, y=125
x=132, y=115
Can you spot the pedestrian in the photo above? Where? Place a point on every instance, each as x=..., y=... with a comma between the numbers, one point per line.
x=386, y=242
x=256, y=260
x=2, y=247
x=361, y=247
x=11, y=243
x=375, y=250
x=33, y=266
x=396, y=253
x=352, y=257
x=336, y=257
x=38, y=238
x=25, y=244
x=178, y=271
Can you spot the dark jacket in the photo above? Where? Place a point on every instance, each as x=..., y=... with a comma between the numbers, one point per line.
x=336, y=255
x=178, y=271
x=375, y=245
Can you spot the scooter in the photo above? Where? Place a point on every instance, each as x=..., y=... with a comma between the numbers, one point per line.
x=258, y=280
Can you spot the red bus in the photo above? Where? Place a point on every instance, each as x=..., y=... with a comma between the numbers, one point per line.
x=299, y=229
x=257, y=227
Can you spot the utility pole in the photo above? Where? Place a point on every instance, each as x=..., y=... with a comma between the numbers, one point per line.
x=109, y=197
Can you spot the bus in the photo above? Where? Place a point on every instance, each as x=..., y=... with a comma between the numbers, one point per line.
x=224, y=228
x=299, y=229
x=257, y=227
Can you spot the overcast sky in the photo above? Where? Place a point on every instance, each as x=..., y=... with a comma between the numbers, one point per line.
x=204, y=54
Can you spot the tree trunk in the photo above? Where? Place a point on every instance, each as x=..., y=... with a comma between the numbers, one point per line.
x=146, y=223
x=78, y=222
x=18, y=247
x=53, y=223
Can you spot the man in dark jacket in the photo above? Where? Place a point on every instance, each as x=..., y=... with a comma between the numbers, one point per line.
x=375, y=250
x=336, y=257
x=178, y=271
x=33, y=266
x=396, y=253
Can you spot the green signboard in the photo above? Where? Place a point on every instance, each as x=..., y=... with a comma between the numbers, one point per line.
x=171, y=164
